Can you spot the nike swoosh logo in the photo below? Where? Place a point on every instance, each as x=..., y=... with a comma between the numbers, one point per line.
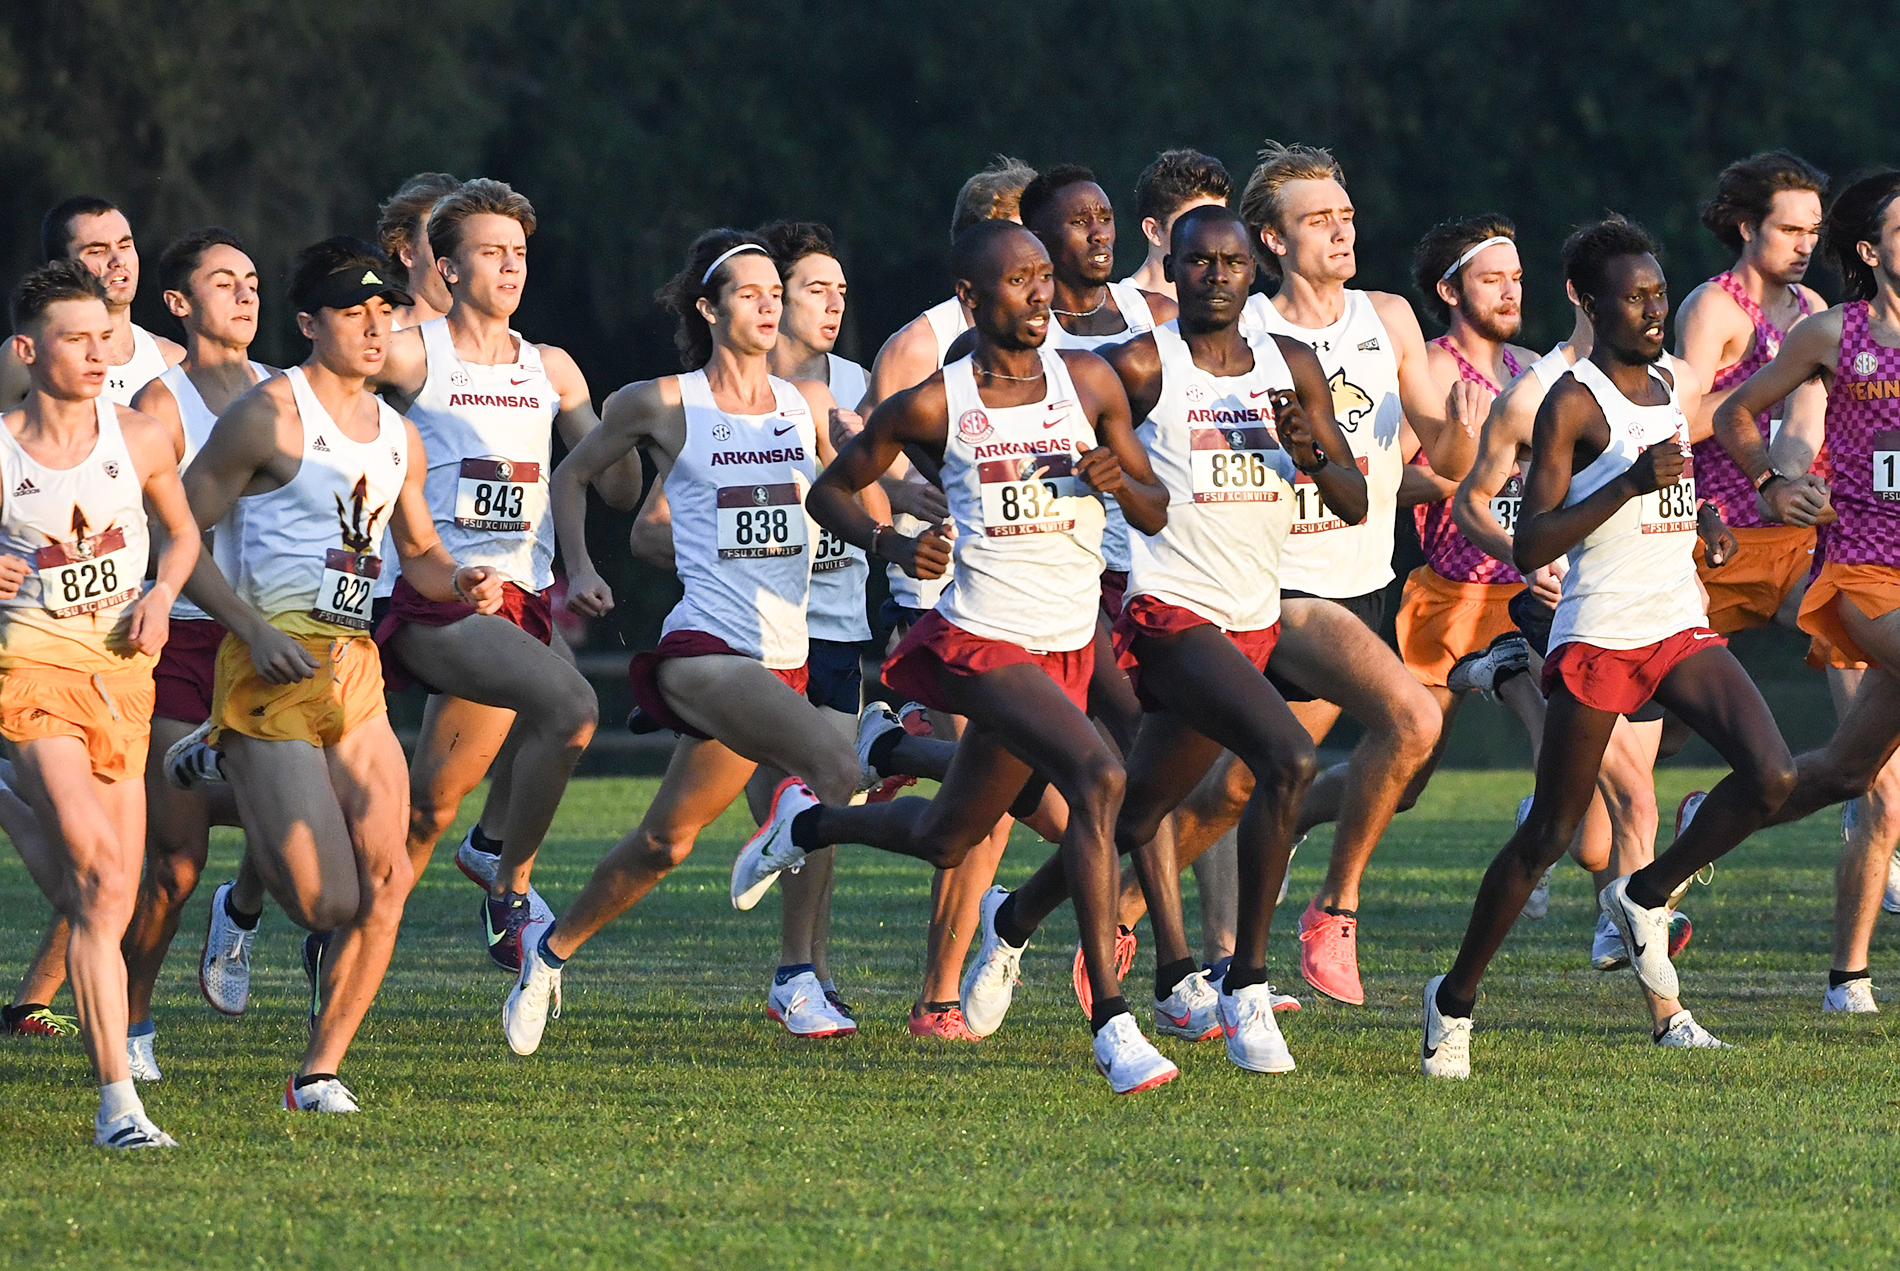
x=1229, y=1030
x=1705, y=635
x=519, y=383
x=1262, y=393
x=1179, y=1021
x=494, y=937
x=780, y=432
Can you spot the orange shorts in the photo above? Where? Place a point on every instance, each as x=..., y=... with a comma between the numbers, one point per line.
x=110, y=712
x=1769, y=563
x=1439, y=621
x=1872, y=589
x=346, y=690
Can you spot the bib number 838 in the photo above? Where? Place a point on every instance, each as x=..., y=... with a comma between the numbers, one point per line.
x=766, y=527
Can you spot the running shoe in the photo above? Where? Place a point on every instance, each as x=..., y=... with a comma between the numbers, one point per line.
x=991, y=981
x=946, y=1023
x=524, y=1016
x=130, y=1132
x=315, y=945
x=800, y=1005
x=874, y=722
x=1253, y=1035
x=141, y=1059
x=1890, y=901
x=1680, y=930
x=770, y=851
x=1482, y=672
x=1645, y=935
x=33, y=1020
x=1537, y=907
x=1130, y=1061
x=1683, y=1033
x=1685, y=813
x=1329, y=954
x=1606, y=946
x=481, y=867
x=1192, y=1010
x=1079, y=972
x=1856, y=997
x=191, y=764
x=837, y=1001
x=1282, y=1001
x=1287, y=878
x=328, y=1095
x=502, y=924
x=224, y=968
x=1447, y=1048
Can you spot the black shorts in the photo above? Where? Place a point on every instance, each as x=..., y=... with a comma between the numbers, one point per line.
x=893, y=615
x=1534, y=620
x=1369, y=609
x=835, y=679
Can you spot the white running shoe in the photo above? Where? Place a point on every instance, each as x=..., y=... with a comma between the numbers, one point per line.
x=191, y=764
x=1253, y=1035
x=1856, y=997
x=770, y=851
x=144, y=1063
x=1481, y=671
x=1282, y=1001
x=328, y=1095
x=481, y=868
x=524, y=1016
x=991, y=981
x=801, y=1006
x=131, y=1131
x=1129, y=1061
x=1192, y=1010
x=1606, y=946
x=1645, y=935
x=1683, y=1033
x=1287, y=878
x=1537, y=907
x=1447, y=1048
x=875, y=720
x=224, y=968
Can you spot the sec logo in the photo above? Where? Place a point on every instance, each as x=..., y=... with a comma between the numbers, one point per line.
x=1865, y=363
x=1195, y=393
x=974, y=426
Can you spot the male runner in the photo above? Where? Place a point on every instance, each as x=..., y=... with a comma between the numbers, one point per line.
x=315, y=465
x=78, y=637
x=402, y=230
x=1610, y=486
x=1173, y=182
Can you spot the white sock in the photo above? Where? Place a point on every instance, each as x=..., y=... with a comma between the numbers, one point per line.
x=117, y=1099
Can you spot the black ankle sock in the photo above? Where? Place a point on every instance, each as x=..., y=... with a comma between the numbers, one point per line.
x=1242, y=977
x=1105, y=1010
x=1643, y=894
x=312, y=1078
x=483, y=843
x=934, y=1008
x=881, y=750
x=805, y=830
x=786, y=973
x=1012, y=935
x=1029, y=798
x=239, y=919
x=14, y=1014
x=1337, y=912
x=1166, y=977
x=1453, y=1007
x=1837, y=978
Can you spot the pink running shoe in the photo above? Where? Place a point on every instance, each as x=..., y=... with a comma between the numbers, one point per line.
x=1079, y=975
x=1329, y=954
x=947, y=1024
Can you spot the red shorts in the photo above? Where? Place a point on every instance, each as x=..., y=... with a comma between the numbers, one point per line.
x=644, y=673
x=187, y=669
x=1114, y=593
x=1622, y=680
x=528, y=610
x=1147, y=616
x=935, y=647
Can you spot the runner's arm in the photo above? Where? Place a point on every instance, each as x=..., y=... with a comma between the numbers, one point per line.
x=634, y=418
x=1448, y=447
x=619, y=485
x=1418, y=484
x=239, y=450
x=1119, y=465
x=1137, y=363
x=1709, y=325
x=1546, y=529
x=1809, y=351
x=157, y=401
x=1796, y=444
x=1490, y=471
x=175, y=534
x=1306, y=427
x=651, y=538
x=918, y=415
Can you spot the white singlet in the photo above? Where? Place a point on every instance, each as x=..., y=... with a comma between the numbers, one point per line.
x=741, y=539
x=1029, y=538
x=1632, y=580
x=1213, y=444
x=947, y=322
x=1133, y=307
x=307, y=560
x=839, y=571
x=198, y=419
x=488, y=433
x=124, y=381
x=82, y=533
x=1326, y=556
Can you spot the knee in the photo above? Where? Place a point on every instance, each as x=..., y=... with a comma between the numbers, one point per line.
x=1775, y=781
x=1415, y=724
x=573, y=716
x=173, y=876
x=102, y=897
x=429, y=820
x=1100, y=785
x=1285, y=772
x=834, y=778
x=649, y=852
x=1539, y=843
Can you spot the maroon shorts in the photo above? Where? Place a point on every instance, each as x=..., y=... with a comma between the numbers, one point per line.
x=1114, y=593
x=1146, y=616
x=186, y=669
x=644, y=673
x=528, y=610
x=1622, y=680
x=935, y=646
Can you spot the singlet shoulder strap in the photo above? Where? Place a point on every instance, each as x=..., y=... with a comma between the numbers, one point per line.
x=1733, y=289
x=437, y=343
x=1466, y=371
x=1133, y=306
x=695, y=392
x=1511, y=364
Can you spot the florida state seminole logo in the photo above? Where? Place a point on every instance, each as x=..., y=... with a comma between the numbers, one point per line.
x=760, y=496
x=974, y=426
x=1865, y=363
x=504, y=471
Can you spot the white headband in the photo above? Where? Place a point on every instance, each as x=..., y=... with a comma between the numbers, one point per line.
x=1465, y=259
x=725, y=256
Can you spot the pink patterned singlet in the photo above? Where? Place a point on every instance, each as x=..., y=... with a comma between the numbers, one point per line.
x=1863, y=443
x=1449, y=553
x=1717, y=478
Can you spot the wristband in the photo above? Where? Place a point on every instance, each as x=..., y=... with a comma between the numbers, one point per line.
x=455, y=585
x=880, y=528
x=1318, y=467
x=1761, y=482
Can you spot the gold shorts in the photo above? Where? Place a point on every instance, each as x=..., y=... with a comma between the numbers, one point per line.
x=1770, y=561
x=1872, y=589
x=110, y=712
x=1439, y=621
x=346, y=690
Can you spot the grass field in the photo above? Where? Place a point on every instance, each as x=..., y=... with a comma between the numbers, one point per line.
x=667, y=1123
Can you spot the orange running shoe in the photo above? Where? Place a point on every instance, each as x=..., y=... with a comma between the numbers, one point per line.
x=1329, y=954
x=1124, y=958
x=947, y=1024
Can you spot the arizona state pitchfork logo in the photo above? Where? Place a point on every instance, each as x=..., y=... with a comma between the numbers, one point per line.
x=359, y=535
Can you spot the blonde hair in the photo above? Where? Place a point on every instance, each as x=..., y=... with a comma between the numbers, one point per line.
x=1278, y=164
x=995, y=193
x=480, y=197
x=404, y=212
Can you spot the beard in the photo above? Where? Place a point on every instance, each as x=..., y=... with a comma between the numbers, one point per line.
x=1497, y=327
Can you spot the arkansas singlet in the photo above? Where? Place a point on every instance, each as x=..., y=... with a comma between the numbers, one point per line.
x=839, y=571
x=1327, y=557
x=1717, y=477
x=741, y=539
x=947, y=321
x=1133, y=307
x=1029, y=535
x=198, y=420
x=123, y=382
x=1449, y=553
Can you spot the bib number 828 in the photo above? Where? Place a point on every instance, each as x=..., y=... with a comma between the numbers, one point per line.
x=88, y=581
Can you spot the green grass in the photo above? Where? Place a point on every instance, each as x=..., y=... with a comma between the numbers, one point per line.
x=667, y=1123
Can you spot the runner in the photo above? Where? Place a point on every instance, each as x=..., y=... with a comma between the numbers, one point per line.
x=736, y=447
x=77, y=643
x=1611, y=486
x=315, y=465
x=1174, y=182
x=402, y=231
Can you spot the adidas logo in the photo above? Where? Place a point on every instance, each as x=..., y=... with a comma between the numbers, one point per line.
x=1369, y=346
x=319, y=444
x=370, y=279
x=26, y=486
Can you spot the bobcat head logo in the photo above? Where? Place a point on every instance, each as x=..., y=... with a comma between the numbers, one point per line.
x=358, y=532
x=1350, y=403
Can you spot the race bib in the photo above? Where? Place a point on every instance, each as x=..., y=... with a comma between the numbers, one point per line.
x=348, y=584
x=832, y=553
x=88, y=575
x=1670, y=510
x=1505, y=502
x=1887, y=466
x=757, y=521
x=1235, y=465
x=1027, y=495
x=498, y=494
x=1310, y=513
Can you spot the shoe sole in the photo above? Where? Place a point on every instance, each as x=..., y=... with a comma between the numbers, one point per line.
x=1161, y=1080
x=1324, y=992
x=468, y=873
x=1184, y=1035
x=205, y=992
x=1290, y=1066
x=776, y=1018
